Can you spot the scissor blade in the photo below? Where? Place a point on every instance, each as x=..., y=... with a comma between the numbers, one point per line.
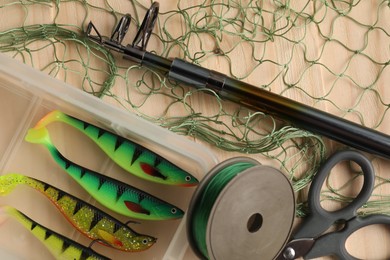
x=296, y=248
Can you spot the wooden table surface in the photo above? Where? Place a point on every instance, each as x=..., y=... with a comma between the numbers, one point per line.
x=370, y=243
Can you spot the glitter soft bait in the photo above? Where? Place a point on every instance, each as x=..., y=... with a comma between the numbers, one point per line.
x=86, y=218
x=61, y=247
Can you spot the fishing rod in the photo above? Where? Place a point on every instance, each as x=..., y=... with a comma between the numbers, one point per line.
x=247, y=95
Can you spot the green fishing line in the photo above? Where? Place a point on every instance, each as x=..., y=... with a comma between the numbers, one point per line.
x=207, y=199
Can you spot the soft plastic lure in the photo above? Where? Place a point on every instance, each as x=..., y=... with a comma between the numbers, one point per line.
x=132, y=157
x=89, y=220
x=115, y=195
x=61, y=247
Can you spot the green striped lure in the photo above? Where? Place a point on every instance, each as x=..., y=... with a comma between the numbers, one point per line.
x=61, y=247
x=89, y=220
x=132, y=157
x=113, y=194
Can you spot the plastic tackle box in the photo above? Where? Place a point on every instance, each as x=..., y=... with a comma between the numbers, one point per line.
x=26, y=96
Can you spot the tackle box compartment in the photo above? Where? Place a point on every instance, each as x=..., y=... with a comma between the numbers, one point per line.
x=26, y=96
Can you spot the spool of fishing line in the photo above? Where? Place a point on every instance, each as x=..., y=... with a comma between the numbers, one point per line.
x=241, y=210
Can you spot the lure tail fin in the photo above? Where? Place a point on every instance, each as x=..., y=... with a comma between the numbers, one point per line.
x=49, y=118
x=38, y=136
x=9, y=182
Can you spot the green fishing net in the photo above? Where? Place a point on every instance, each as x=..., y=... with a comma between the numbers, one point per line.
x=310, y=51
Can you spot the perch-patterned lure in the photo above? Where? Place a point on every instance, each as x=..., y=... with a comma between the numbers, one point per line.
x=132, y=157
x=61, y=247
x=115, y=195
x=89, y=220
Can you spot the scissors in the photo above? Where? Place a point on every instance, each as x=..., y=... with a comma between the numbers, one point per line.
x=309, y=241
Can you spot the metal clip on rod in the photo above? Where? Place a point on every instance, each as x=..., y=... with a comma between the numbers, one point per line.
x=145, y=31
x=247, y=95
x=121, y=29
x=136, y=51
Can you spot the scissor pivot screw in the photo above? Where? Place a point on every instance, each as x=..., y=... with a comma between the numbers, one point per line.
x=289, y=253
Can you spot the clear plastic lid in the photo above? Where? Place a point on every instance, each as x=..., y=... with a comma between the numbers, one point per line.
x=27, y=95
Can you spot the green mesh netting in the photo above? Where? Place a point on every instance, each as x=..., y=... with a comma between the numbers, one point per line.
x=310, y=51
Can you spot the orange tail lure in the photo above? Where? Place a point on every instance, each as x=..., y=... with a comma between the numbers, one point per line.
x=89, y=220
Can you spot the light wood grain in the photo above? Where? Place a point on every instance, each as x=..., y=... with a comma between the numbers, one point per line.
x=369, y=243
